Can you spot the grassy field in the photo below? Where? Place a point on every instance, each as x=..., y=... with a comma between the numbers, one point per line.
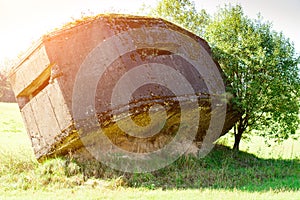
x=257, y=172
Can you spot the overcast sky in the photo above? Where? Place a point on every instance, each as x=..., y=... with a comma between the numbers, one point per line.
x=24, y=21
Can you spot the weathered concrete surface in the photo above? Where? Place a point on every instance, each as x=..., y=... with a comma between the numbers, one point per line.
x=43, y=83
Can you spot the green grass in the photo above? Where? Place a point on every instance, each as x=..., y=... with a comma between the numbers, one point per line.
x=288, y=149
x=129, y=193
x=265, y=173
x=10, y=119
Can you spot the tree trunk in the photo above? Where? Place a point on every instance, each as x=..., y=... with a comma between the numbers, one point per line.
x=237, y=140
x=238, y=131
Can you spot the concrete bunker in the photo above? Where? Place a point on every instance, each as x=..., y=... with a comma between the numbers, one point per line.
x=44, y=82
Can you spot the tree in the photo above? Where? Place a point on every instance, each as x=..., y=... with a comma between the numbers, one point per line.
x=260, y=65
x=182, y=13
x=6, y=93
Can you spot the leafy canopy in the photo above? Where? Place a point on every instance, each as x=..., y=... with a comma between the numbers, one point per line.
x=182, y=13
x=261, y=65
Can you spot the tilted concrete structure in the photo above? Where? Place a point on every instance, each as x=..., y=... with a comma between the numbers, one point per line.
x=44, y=81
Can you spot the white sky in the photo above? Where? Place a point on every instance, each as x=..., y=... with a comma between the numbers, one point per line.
x=24, y=21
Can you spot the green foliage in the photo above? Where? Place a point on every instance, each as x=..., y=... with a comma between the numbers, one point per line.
x=183, y=13
x=260, y=66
